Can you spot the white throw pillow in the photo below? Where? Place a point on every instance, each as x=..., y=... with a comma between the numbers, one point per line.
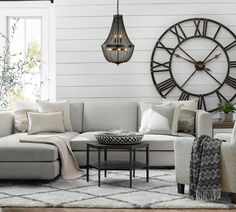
x=154, y=122
x=20, y=115
x=64, y=106
x=45, y=122
x=144, y=106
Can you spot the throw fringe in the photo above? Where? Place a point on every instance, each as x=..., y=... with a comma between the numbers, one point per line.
x=210, y=194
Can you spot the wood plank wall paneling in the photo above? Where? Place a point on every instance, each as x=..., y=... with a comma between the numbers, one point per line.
x=83, y=25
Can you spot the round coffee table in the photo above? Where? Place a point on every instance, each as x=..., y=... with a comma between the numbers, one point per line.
x=106, y=164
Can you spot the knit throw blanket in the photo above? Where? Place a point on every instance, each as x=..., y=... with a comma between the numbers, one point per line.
x=205, y=172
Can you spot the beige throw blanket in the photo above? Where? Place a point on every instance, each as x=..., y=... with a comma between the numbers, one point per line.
x=69, y=166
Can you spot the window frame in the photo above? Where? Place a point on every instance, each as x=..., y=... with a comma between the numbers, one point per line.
x=46, y=11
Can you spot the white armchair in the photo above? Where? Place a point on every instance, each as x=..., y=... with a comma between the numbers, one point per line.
x=183, y=148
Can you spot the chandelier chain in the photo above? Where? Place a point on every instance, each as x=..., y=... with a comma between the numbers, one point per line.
x=118, y=7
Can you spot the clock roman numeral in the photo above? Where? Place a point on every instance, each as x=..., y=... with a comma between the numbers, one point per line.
x=232, y=64
x=166, y=86
x=202, y=103
x=231, y=81
x=160, y=67
x=184, y=96
x=162, y=46
x=230, y=46
x=217, y=32
x=200, y=32
x=220, y=96
x=179, y=32
x=204, y=29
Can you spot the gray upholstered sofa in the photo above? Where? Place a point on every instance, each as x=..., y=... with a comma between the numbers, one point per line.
x=41, y=161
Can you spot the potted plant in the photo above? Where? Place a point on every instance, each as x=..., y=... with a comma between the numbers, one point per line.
x=227, y=110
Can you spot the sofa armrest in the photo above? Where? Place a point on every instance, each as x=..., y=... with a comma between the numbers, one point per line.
x=182, y=151
x=203, y=123
x=6, y=123
x=224, y=136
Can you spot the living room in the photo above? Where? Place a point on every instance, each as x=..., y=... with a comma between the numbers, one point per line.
x=114, y=105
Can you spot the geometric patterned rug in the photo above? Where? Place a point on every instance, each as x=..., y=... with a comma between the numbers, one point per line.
x=114, y=192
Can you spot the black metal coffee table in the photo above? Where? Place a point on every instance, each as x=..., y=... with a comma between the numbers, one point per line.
x=106, y=164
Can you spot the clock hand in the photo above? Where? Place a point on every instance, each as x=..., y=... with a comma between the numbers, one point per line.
x=179, y=56
x=216, y=56
x=210, y=53
x=188, y=78
x=207, y=69
x=212, y=76
x=187, y=55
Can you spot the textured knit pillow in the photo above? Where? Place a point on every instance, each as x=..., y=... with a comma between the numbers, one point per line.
x=20, y=115
x=45, y=122
x=64, y=106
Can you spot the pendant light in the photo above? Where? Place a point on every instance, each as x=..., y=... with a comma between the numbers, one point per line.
x=117, y=48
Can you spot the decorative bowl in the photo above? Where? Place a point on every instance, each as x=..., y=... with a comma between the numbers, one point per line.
x=119, y=137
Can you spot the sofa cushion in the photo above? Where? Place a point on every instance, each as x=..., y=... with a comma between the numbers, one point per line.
x=76, y=116
x=101, y=116
x=11, y=149
x=157, y=142
x=79, y=142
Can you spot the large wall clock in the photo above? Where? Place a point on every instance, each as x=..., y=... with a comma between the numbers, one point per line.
x=196, y=58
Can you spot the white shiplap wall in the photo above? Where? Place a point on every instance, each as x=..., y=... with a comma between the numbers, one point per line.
x=83, y=25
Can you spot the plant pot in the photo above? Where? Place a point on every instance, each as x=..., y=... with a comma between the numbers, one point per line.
x=227, y=116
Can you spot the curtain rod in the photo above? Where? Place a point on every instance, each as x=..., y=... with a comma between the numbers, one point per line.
x=52, y=1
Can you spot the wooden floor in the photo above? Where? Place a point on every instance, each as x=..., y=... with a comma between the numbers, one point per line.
x=108, y=210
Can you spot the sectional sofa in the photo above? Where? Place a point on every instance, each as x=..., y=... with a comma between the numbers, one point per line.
x=41, y=161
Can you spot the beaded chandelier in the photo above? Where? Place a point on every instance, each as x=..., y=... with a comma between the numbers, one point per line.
x=117, y=48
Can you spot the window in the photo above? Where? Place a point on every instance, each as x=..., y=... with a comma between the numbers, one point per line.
x=25, y=34
x=27, y=42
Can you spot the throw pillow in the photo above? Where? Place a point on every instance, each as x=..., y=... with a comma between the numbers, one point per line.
x=144, y=106
x=187, y=104
x=157, y=119
x=20, y=115
x=21, y=124
x=45, y=122
x=64, y=106
x=186, y=123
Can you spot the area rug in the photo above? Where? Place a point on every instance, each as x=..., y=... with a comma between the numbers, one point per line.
x=114, y=192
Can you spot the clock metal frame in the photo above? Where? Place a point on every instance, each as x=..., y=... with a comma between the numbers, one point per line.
x=201, y=28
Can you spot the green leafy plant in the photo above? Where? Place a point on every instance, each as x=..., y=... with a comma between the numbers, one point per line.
x=12, y=69
x=226, y=107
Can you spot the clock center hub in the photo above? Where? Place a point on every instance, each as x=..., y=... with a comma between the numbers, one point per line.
x=200, y=66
